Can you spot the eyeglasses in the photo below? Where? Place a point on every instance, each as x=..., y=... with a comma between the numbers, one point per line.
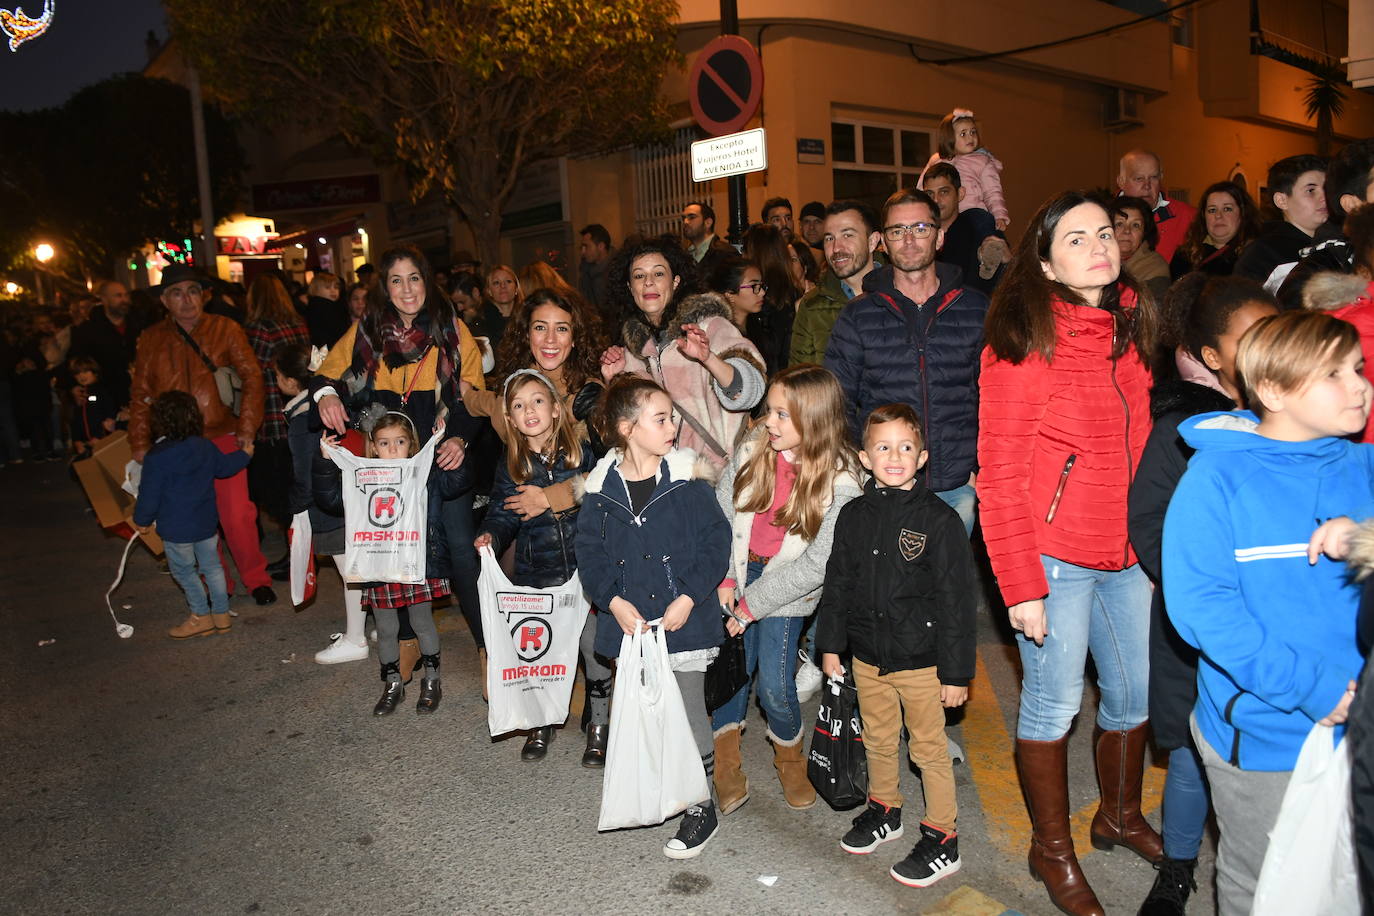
x=916, y=230
x=755, y=288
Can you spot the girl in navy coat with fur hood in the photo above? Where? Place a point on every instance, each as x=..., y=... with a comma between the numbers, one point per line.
x=653, y=545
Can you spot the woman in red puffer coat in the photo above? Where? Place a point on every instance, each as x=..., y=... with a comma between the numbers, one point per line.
x=1063, y=418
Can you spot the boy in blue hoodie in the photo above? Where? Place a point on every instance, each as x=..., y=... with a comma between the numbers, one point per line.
x=1267, y=495
x=177, y=493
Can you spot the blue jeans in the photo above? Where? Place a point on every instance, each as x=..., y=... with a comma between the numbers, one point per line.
x=1106, y=612
x=770, y=652
x=1186, y=803
x=962, y=500
x=182, y=560
x=460, y=528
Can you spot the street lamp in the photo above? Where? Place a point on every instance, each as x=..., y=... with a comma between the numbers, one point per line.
x=44, y=252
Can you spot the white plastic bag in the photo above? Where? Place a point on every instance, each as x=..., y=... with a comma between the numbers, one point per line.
x=1309, y=866
x=302, y=559
x=653, y=770
x=386, y=515
x=532, y=638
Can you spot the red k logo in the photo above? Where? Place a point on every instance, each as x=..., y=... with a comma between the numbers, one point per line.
x=532, y=638
x=384, y=507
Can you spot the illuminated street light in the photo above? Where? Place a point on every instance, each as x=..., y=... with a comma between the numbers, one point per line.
x=12, y=288
x=44, y=252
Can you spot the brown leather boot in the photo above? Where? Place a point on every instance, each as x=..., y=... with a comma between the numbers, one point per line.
x=790, y=763
x=732, y=787
x=192, y=626
x=410, y=655
x=1120, y=767
x=1044, y=770
x=222, y=621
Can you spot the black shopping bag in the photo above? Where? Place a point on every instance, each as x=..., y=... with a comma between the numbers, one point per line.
x=837, y=766
x=726, y=674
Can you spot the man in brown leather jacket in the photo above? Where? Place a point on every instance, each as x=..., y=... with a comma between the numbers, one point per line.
x=167, y=361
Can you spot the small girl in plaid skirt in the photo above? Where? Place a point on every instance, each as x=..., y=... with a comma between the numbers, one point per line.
x=394, y=437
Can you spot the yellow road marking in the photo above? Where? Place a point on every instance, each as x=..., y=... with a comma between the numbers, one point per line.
x=989, y=747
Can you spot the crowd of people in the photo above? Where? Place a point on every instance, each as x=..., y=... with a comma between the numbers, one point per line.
x=793, y=443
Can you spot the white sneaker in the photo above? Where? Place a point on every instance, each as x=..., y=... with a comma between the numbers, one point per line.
x=808, y=677
x=341, y=650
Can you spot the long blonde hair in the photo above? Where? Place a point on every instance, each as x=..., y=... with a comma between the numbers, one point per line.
x=520, y=457
x=816, y=405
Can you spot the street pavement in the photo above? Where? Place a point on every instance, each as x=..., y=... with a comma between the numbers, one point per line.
x=231, y=774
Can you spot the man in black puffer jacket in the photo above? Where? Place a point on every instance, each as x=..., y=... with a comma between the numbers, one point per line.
x=914, y=337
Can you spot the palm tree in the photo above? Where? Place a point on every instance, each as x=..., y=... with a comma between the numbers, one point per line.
x=1325, y=101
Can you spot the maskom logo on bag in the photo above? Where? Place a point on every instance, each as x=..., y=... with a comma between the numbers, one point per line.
x=528, y=618
x=519, y=671
x=384, y=506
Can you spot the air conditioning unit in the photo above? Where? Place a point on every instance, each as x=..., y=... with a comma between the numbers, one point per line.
x=1124, y=110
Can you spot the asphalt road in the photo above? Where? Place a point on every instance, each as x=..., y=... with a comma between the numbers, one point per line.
x=231, y=774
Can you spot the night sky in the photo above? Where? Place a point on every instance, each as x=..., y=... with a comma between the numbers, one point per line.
x=88, y=41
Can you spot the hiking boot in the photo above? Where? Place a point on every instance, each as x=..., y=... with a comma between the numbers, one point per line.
x=698, y=825
x=935, y=857
x=1169, y=896
x=194, y=625
x=222, y=621
x=876, y=825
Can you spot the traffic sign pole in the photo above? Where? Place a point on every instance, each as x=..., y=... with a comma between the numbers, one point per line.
x=738, y=195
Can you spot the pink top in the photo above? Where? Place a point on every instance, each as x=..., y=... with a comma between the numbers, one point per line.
x=765, y=537
x=980, y=175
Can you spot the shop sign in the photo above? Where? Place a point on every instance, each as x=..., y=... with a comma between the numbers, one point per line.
x=318, y=193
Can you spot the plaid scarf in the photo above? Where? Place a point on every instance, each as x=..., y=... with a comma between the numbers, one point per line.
x=403, y=345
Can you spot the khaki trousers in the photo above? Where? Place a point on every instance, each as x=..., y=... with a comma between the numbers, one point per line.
x=883, y=702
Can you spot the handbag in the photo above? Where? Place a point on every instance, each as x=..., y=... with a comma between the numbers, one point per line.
x=653, y=770
x=726, y=674
x=532, y=637
x=1309, y=866
x=227, y=380
x=837, y=766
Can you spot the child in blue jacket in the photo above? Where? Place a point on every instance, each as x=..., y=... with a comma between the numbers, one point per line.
x=177, y=493
x=1266, y=494
x=652, y=544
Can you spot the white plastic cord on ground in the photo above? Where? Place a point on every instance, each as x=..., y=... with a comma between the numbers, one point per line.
x=123, y=629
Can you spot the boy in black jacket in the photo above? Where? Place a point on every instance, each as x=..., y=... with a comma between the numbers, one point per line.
x=899, y=596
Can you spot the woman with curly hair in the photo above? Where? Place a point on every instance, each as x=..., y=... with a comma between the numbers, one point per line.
x=1225, y=223
x=685, y=342
x=560, y=336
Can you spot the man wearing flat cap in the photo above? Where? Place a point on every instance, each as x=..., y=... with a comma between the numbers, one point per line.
x=183, y=353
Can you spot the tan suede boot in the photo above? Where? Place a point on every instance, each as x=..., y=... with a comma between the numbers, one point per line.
x=732, y=787
x=194, y=625
x=410, y=654
x=222, y=621
x=790, y=763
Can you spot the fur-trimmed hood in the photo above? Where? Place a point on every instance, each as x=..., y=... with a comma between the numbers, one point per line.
x=681, y=464
x=694, y=309
x=1329, y=290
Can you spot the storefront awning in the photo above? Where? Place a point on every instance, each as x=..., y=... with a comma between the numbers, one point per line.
x=328, y=231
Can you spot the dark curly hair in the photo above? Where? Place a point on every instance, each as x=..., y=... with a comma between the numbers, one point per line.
x=175, y=415
x=680, y=264
x=589, y=339
x=1248, y=230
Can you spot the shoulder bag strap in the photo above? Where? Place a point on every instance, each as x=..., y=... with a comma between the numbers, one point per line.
x=195, y=346
x=700, y=430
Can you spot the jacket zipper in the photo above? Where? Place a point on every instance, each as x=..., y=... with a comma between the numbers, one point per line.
x=1059, y=490
x=1130, y=469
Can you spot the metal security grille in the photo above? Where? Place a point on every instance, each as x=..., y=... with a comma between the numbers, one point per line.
x=663, y=184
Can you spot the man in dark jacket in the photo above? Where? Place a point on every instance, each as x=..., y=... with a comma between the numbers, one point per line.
x=1349, y=184
x=971, y=237
x=699, y=231
x=110, y=338
x=915, y=337
x=1295, y=185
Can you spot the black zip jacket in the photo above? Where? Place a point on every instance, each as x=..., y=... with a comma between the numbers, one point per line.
x=1173, y=663
x=900, y=588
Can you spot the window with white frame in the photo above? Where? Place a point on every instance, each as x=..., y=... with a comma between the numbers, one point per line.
x=871, y=160
x=664, y=185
